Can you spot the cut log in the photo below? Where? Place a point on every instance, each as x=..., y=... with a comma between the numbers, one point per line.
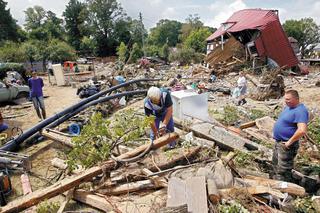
x=93, y=200
x=283, y=186
x=213, y=192
x=196, y=191
x=129, y=187
x=70, y=182
x=248, y=124
x=65, y=140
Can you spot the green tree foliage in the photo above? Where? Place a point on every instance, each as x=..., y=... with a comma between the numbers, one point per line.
x=53, y=25
x=165, y=51
x=8, y=26
x=11, y=52
x=35, y=17
x=192, y=23
x=30, y=51
x=103, y=16
x=197, y=39
x=60, y=51
x=306, y=31
x=88, y=46
x=122, y=52
x=75, y=16
x=135, y=53
x=185, y=55
x=166, y=32
x=153, y=50
x=96, y=139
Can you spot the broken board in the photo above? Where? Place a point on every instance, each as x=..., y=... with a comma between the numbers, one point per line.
x=192, y=192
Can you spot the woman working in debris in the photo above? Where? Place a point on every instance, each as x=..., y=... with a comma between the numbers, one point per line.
x=159, y=103
x=242, y=85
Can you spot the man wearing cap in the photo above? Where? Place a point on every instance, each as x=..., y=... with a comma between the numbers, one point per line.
x=36, y=84
x=159, y=103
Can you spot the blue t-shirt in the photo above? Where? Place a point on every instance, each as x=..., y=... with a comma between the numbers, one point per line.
x=286, y=125
x=35, y=87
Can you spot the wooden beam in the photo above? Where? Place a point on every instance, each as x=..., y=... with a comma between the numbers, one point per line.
x=93, y=200
x=253, y=190
x=247, y=125
x=157, y=181
x=65, y=140
x=64, y=185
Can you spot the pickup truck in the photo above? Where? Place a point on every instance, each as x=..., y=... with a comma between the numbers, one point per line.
x=13, y=93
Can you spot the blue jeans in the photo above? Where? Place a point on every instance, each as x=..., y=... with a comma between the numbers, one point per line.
x=170, y=127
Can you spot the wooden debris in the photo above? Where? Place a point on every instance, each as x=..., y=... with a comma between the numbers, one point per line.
x=59, y=163
x=67, y=141
x=254, y=190
x=192, y=192
x=70, y=182
x=157, y=181
x=282, y=186
x=129, y=187
x=93, y=200
x=14, y=116
x=67, y=199
x=248, y=124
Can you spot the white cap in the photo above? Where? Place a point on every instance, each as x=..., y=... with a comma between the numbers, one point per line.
x=154, y=93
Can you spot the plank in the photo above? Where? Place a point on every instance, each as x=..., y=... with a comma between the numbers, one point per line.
x=196, y=193
x=247, y=125
x=156, y=180
x=93, y=200
x=253, y=190
x=176, y=195
x=64, y=185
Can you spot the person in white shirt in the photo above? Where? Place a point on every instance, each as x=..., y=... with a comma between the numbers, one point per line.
x=242, y=85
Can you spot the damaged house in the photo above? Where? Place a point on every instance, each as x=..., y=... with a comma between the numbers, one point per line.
x=254, y=33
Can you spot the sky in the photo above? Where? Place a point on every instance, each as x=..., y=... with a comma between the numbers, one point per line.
x=211, y=12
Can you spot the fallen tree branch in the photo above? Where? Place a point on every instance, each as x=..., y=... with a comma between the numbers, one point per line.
x=64, y=185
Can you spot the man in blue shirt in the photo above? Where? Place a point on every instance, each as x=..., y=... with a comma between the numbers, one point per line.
x=36, y=84
x=289, y=128
x=159, y=103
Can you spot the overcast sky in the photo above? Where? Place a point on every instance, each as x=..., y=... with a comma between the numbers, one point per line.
x=211, y=12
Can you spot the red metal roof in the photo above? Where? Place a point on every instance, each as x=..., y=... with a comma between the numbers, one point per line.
x=272, y=42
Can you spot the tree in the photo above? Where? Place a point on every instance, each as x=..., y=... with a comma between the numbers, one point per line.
x=197, y=40
x=166, y=31
x=88, y=46
x=8, y=26
x=306, y=31
x=60, y=51
x=75, y=15
x=35, y=17
x=192, y=23
x=122, y=52
x=30, y=51
x=135, y=53
x=53, y=25
x=11, y=52
x=103, y=16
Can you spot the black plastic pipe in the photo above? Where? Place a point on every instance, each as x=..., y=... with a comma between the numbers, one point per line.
x=14, y=143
